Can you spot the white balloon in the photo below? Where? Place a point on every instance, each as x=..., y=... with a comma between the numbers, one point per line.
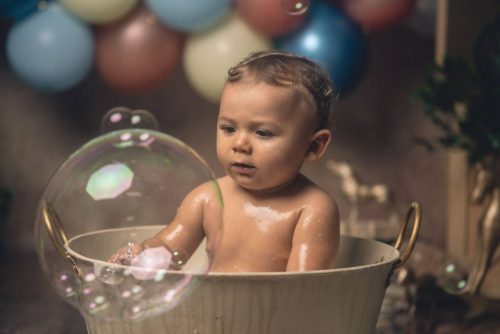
x=208, y=55
x=99, y=11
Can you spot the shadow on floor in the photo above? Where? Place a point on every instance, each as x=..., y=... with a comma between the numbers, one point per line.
x=28, y=304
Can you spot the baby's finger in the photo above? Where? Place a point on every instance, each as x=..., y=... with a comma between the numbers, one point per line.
x=116, y=257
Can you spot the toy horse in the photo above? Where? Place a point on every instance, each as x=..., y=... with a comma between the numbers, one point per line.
x=486, y=184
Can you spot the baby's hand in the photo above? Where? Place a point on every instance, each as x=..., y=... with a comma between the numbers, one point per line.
x=125, y=254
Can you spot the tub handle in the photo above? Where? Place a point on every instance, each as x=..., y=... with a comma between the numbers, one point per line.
x=416, y=210
x=57, y=234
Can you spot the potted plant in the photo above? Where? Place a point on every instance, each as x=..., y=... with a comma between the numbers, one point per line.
x=462, y=98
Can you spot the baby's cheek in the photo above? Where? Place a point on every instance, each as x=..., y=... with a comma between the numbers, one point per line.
x=288, y=158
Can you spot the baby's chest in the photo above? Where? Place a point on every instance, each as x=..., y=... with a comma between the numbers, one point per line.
x=264, y=228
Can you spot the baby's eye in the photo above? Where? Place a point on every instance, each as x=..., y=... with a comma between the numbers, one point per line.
x=227, y=129
x=263, y=133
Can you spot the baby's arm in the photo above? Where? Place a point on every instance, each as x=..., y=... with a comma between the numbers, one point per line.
x=184, y=233
x=316, y=236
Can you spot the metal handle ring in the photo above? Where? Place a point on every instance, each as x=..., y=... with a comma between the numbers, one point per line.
x=404, y=255
x=57, y=234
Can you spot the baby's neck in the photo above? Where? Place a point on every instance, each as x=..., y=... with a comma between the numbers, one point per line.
x=286, y=188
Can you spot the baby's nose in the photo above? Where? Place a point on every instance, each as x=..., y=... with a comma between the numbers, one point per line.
x=242, y=144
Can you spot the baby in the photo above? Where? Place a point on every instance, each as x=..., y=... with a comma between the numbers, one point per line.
x=274, y=115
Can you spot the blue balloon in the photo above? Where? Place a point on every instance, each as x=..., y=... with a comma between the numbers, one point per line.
x=189, y=15
x=18, y=10
x=332, y=40
x=50, y=50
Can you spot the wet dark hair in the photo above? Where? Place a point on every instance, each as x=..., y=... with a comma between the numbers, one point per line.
x=286, y=69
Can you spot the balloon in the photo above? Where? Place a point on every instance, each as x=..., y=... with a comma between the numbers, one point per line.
x=209, y=55
x=50, y=50
x=423, y=18
x=138, y=53
x=267, y=17
x=18, y=10
x=99, y=11
x=331, y=39
x=378, y=14
x=189, y=15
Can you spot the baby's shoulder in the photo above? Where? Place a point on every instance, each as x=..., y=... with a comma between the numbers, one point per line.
x=316, y=198
x=206, y=192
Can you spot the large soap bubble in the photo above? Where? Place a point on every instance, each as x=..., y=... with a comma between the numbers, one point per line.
x=112, y=193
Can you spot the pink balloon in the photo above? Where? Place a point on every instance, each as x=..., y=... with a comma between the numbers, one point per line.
x=267, y=16
x=378, y=14
x=137, y=53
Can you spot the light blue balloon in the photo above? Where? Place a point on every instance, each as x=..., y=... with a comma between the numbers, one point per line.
x=189, y=15
x=329, y=37
x=50, y=50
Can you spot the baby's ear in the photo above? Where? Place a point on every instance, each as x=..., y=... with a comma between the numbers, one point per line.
x=318, y=143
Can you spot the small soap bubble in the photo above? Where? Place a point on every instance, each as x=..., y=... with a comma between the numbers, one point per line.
x=295, y=7
x=150, y=305
x=66, y=284
x=92, y=298
x=127, y=291
x=453, y=277
x=179, y=259
x=134, y=311
x=120, y=118
x=108, y=274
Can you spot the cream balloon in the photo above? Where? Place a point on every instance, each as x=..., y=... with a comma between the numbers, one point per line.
x=209, y=54
x=99, y=11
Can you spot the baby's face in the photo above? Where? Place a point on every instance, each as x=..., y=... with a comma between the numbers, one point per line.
x=263, y=134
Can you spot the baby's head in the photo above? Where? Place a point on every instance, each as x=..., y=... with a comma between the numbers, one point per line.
x=274, y=114
x=277, y=68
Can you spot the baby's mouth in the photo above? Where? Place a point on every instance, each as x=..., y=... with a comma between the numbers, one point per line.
x=242, y=167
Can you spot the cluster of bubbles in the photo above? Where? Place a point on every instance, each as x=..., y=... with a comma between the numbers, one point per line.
x=142, y=286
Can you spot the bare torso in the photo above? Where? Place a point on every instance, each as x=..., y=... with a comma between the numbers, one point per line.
x=295, y=228
x=256, y=233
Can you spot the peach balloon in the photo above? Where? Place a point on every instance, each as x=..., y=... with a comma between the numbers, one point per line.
x=137, y=54
x=378, y=14
x=208, y=55
x=267, y=17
